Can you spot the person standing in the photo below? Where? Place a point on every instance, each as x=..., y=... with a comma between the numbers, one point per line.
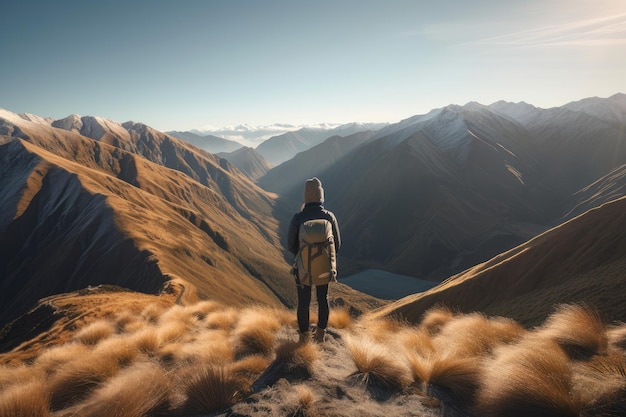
x=314, y=239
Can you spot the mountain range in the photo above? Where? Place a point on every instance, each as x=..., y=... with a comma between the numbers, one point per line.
x=88, y=201
x=281, y=148
x=209, y=143
x=91, y=201
x=140, y=274
x=438, y=193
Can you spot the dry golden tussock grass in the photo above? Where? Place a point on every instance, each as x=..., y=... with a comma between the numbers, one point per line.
x=601, y=382
x=147, y=341
x=459, y=375
x=578, y=329
x=270, y=318
x=251, y=367
x=252, y=341
x=213, y=388
x=94, y=332
x=126, y=322
x=377, y=365
x=284, y=316
x=19, y=374
x=152, y=312
x=119, y=348
x=177, y=313
x=53, y=358
x=216, y=346
x=24, y=400
x=532, y=377
x=507, y=330
x=379, y=329
x=171, y=355
x=203, y=308
x=141, y=390
x=340, y=318
x=222, y=320
x=304, y=402
x=473, y=335
x=172, y=331
x=298, y=356
x=255, y=332
x=210, y=350
x=210, y=346
x=420, y=368
x=616, y=336
x=435, y=318
x=76, y=379
x=416, y=342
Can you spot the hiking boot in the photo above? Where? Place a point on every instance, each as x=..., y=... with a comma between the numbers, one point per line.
x=304, y=337
x=320, y=335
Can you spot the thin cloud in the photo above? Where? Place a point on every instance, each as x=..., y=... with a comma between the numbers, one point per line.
x=602, y=31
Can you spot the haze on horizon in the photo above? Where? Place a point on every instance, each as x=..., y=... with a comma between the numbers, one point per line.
x=197, y=65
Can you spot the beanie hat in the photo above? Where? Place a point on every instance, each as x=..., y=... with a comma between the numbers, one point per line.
x=313, y=191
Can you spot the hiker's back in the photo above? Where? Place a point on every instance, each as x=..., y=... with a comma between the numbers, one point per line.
x=316, y=260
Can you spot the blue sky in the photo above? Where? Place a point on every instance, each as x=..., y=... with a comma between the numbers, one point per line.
x=180, y=65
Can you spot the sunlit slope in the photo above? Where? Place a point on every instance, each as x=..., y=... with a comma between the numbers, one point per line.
x=79, y=212
x=609, y=187
x=582, y=260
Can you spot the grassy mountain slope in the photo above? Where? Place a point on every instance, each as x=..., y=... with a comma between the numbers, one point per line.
x=201, y=224
x=582, y=260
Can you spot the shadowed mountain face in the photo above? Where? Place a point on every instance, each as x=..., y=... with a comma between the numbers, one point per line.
x=248, y=161
x=437, y=193
x=149, y=213
x=288, y=178
x=582, y=260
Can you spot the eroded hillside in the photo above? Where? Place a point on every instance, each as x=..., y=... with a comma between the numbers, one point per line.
x=130, y=207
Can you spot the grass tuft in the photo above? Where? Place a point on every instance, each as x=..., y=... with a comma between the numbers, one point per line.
x=255, y=332
x=435, y=318
x=75, y=380
x=416, y=341
x=251, y=367
x=617, y=338
x=377, y=366
x=25, y=400
x=578, y=329
x=147, y=341
x=119, y=348
x=213, y=388
x=459, y=375
x=202, y=309
x=474, y=334
x=142, y=390
x=253, y=341
x=94, y=332
x=380, y=329
x=340, y=318
x=305, y=402
x=19, y=374
x=298, y=357
x=222, y=319
x=601, y=384
x=530, y=378
x=420, y=368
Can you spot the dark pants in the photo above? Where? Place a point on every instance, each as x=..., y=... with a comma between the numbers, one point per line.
x=304, y=301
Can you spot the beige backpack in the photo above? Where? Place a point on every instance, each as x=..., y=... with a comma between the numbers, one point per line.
x=316, y=262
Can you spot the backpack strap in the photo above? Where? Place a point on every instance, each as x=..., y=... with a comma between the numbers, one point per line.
x=320, y=248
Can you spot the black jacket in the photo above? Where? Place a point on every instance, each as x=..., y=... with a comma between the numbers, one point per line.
x=309, y=212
